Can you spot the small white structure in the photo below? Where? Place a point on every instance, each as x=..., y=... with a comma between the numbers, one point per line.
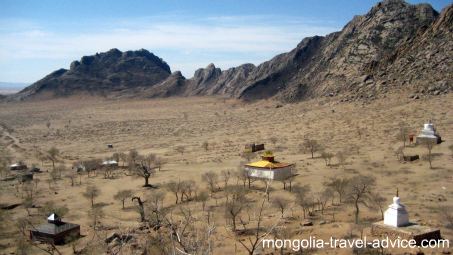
x=268, y=168
x=428, y=133
x=110, y=163
x=396, y=215
x=18, y=166
x=53, y=218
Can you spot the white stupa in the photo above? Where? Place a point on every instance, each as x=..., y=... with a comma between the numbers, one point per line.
x=396, y=215
x=428, y=133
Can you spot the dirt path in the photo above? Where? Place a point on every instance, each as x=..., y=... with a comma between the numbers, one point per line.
x=10, y=141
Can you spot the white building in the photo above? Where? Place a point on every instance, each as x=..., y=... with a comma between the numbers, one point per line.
x=396, y=215
x=110, y=163
x=428, y=133
x=268, y=168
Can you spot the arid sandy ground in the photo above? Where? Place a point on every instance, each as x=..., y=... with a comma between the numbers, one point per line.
x=81, y=128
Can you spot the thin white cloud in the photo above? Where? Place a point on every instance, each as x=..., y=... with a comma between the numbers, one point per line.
x=230, y=36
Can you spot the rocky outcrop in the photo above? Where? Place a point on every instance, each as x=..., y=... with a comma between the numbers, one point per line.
x=102, y=74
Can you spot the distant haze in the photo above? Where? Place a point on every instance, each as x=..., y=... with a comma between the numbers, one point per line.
x=11, y=87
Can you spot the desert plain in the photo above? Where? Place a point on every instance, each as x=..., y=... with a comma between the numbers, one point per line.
x=197, y=135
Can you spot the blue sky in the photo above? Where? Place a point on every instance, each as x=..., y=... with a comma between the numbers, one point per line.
x=37, y=37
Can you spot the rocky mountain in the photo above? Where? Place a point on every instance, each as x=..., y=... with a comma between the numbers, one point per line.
x=394, y=46
x=106, y=73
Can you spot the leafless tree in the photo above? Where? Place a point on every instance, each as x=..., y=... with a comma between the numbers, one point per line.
x=232, y=210
x=311, y=145
x=123, y=157
x=188, y=190
x=226, y=175
x=359, y=190
x=258, y=230
x=327, y=156
x=96, y=214
x=52, y=155
x=241, y=176
x=281, y=203
x=339, y=185
x=342, y=156
x=203, y=197
x=211, y=178
x=145, y=169
x=378, y=201
x=175, y=188
x=303, y=198
x=323, y=197
x=403, y=132
x=159, y=163
x=429, y=144
x=141, y=208
x=189, y=234
x=71, y=176
x=155, y=208
x=91, y=193
x=122, y=195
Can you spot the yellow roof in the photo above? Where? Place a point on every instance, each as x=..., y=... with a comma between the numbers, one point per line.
x=268, y=164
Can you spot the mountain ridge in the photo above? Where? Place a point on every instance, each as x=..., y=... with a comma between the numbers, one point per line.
x=395, y=45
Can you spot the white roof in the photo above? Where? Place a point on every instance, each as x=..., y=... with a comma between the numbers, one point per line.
x=53, y=217
x=110, y=162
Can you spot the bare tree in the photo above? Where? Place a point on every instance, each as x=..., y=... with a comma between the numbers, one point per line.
x=71, y=176
x=226, y=175
x=281, y=203
x=96, y=214
x=141, y=208
x=360, y=188
x=241, y=176
x=155, y=208
x=91, y=193
x=339, y=185
x=133, y=155
x=342, y=156
x=378, y=200
x=145, y=169
x=122, y=195
x=159, y=163
x=175, y=188
x=323, y=197
x=203, y=197
x=429, y=144
x=188, y=189
x=52, y=155
x=211, y=178
x=258, y=230
x=403, y=132
x=303, y=198
x=123, y=157
x=232, y=210
x=327, y=156
x=311, y=145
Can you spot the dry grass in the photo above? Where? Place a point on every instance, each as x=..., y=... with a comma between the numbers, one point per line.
x=81, y=128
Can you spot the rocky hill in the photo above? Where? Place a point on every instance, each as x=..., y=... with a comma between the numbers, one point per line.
x=112, y=72
x=394, y=46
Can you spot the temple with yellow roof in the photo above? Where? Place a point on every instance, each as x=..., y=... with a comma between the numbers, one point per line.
x=268, y=168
